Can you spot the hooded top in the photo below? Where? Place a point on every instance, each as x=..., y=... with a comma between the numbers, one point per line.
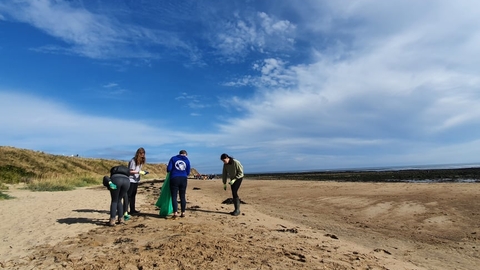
x=179, y=165
x=233, y=169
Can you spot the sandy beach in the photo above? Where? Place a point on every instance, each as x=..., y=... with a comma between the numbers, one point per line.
x=284, y=225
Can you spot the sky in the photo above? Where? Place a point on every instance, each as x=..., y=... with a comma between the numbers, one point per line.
x=280, y=85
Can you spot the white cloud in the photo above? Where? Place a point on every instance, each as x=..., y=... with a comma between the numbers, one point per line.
x=273, y=27
x=42, y=123
x=92, y=34
x=193, y=101
x=386, y=82
x=274, y=73
x=410, y=85
x=258, y=32
x=110, y=85
x=45, y=124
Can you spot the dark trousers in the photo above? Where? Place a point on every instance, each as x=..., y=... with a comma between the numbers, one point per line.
x=235, y=188
x=132, y=194
x=178, y=186
x=116, y=205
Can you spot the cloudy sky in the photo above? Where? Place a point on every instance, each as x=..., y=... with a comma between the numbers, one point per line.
x=281, y=85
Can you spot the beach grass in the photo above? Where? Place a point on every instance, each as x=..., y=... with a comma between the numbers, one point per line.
x=3, y=186
x=4, y=196
x=41, y=171
x=62, y=183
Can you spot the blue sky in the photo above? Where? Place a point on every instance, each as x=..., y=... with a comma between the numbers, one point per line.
x=281, y=85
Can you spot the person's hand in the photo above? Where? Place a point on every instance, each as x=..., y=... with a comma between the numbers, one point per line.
x=112, y=185
x=224, y=186
x=232, y=181
x=143, y=172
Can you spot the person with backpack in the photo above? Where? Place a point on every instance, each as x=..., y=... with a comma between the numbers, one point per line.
x=118, y=184
x=232, y=169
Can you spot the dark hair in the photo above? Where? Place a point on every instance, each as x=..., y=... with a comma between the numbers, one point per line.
x=183, y=152
x=224, y=156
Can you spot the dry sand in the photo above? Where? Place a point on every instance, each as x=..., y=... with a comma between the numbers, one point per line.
x=283, y=225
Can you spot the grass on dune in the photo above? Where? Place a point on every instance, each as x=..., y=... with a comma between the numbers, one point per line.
x=62, y=184
x=47, y=172
x=4, y=196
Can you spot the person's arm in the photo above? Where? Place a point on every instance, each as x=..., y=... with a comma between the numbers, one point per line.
x=188, y=167
x=224, y=174
x=132, y=166
x=238, y=170
x=170, y=165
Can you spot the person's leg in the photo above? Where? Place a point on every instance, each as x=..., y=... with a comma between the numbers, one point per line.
x=123, y=185
x=124, y=195
x=174, y=187
x=114, y=194
x=235, y=188
x=182, y=191
x=236, y=199
x=132, y=193
x=129, y=194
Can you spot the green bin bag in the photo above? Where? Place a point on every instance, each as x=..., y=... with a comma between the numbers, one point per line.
x=164, y=202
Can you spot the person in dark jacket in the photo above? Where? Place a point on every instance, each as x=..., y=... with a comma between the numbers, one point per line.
x=179, y=169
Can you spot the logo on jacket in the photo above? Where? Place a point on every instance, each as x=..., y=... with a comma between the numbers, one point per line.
x=180, y=165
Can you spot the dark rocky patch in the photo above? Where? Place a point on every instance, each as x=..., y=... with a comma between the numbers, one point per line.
x=430, y=175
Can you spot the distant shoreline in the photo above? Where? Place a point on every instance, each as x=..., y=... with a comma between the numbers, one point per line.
x=471, y=174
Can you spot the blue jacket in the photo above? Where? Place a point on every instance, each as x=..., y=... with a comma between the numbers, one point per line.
x=178, y=165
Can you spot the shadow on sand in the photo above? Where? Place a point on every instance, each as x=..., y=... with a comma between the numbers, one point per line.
x=71, y=221
x=91, y=211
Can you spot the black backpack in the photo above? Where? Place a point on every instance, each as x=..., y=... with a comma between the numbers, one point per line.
x=120, y=170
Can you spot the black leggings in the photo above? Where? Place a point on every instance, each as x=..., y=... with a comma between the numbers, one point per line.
x=116, y=206
x=178, y=186
x=235, y=188
x=132, y=194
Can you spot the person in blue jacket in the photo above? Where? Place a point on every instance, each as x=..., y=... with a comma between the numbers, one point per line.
x=179, y=169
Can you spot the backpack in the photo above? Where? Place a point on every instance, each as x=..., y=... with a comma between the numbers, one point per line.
x=120, y=170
